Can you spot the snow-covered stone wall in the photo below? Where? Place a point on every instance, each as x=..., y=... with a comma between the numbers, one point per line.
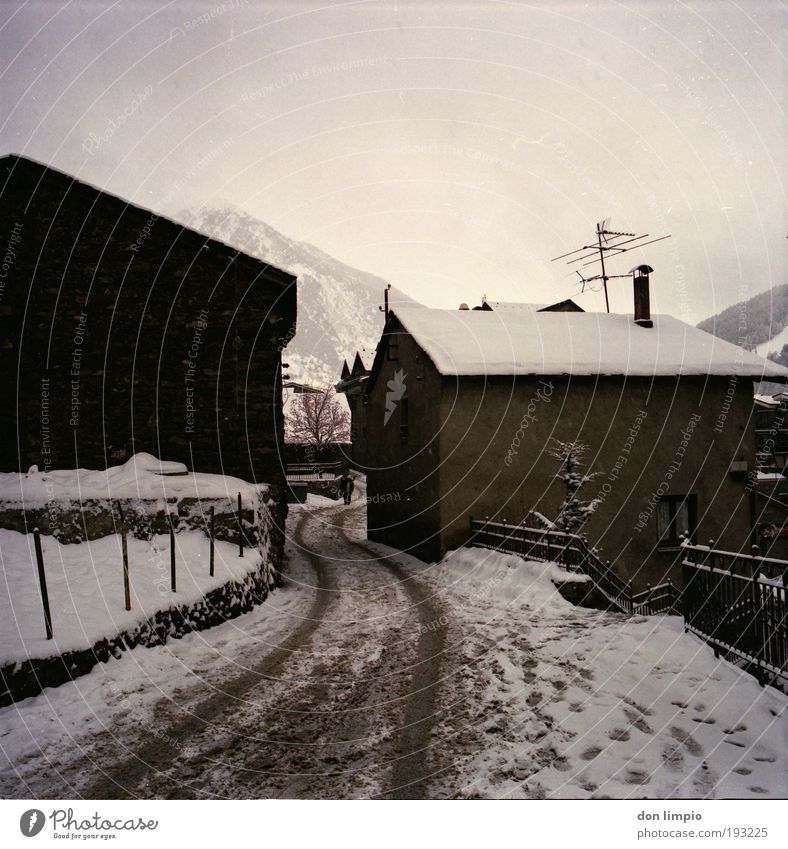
x=79, y=514
x=20, y=680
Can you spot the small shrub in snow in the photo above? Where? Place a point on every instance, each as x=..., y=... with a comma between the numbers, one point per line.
x=574, y=512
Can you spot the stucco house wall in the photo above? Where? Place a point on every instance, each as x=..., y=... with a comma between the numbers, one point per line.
x=479, y=446
x=645, y=438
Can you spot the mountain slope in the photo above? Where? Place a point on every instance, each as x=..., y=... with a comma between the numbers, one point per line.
x=753, y=323
x=338, y=306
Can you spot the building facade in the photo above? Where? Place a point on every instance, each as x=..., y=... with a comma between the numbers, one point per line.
x=352, y=385
x=464, y=407
x=122, y=331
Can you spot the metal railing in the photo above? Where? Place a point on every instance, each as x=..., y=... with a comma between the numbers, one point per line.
x=313, y=471
x=737, y=604
x=572, y=551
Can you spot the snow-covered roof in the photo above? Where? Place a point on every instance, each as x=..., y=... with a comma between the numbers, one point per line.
x=766, y=400
x=769, y=389
x=514, y=306
x=468, y=342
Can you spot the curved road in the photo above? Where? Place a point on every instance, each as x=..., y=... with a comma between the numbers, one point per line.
x=343, y=707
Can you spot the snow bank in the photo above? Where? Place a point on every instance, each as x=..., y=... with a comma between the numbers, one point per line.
x=143, y=476
x=556, y=701
x=85, y=585
x=493, y=577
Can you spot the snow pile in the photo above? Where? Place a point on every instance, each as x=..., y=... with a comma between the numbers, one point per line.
x=85, y=586
x=142, y=476
x=476, y=342
x=562, y=702
x=489, y=578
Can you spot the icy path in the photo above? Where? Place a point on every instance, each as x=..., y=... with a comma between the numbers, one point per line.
x=324, y=691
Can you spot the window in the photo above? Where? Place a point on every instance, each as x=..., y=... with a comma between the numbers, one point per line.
x=392, y=350
x=403, y=420
x=676, y=515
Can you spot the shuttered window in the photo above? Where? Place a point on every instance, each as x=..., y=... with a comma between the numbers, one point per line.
x=676, y=515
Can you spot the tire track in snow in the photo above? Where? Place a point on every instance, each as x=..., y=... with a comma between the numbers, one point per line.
x=155, y=757
x=410, y=768
x=335, y=734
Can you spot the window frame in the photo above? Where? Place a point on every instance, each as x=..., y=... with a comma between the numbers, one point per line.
x=669, y=539
x=404, y=421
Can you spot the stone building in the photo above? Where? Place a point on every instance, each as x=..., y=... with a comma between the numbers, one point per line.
x=463, y=406
x=352, y=384
x=122, y=331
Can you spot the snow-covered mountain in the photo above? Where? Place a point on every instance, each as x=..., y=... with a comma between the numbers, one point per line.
x=337, y=305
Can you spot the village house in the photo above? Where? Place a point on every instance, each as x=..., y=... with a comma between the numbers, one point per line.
x=122, y=331
x=771, y=453
x=463, y=407
x=352, y=384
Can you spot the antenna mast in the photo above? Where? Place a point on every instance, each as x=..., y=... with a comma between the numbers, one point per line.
x=606, y=240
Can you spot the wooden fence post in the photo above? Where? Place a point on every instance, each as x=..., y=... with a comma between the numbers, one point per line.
x=172, y=553
x=210, y=536
x=240, y=528
x=42, y=582
x=125, y=550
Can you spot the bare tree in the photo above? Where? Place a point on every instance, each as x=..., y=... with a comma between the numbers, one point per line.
x=317, y=419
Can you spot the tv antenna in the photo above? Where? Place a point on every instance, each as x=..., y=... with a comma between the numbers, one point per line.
x=606, y=241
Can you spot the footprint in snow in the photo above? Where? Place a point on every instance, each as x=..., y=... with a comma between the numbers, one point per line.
x=687, y=740
x=619, y=734
x=636, y=776
x=672, y=756
x=632, y=703
x=704, y=779
x=638, y=722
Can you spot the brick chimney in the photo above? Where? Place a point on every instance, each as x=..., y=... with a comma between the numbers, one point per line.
x=641, y=292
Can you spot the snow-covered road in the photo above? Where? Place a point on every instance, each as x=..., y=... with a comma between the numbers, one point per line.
x=371, y=674
x=324, y=691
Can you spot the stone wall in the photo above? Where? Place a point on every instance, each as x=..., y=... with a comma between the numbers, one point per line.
x=22, y=680
x=73, y=523
x=121, y=332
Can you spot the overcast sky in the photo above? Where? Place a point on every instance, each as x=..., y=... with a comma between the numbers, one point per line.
x=451, y=147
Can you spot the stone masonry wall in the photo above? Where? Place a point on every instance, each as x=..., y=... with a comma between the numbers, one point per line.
x=121, y=331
